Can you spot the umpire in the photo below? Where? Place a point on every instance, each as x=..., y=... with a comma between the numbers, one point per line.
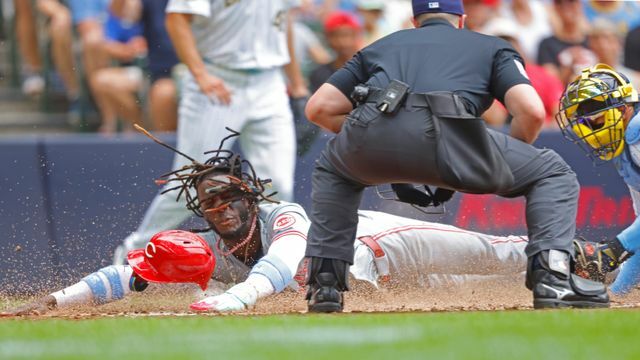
x=406, y=110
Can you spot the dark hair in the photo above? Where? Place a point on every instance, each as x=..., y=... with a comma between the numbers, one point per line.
x=222, y=162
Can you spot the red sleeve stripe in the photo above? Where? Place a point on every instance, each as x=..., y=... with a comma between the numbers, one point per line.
x=289, y=233
x=416, y=227
x=497, y=240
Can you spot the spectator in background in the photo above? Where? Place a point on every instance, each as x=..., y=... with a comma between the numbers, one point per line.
x=632, y=50
x=309, y=50
x=26, y=33
x=315, y=11
x=399, y=14
x=310, y=53
x=566, y=52
x=89, y=17
x=605, y=42
x=373, y=23
x=333, y=5
x=531, y=18
x=161, y=59
x=624, y=15
x=479, y=13
x=344, y=36
x=114, y=88
x=59, y=30
x=549, y=87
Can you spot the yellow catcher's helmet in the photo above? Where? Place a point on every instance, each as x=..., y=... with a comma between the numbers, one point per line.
x=591, y=110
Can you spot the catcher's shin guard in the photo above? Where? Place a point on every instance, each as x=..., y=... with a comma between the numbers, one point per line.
x=553, y=285
x=595, y=260
x=326, y=280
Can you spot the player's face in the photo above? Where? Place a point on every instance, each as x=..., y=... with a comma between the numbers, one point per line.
x=597, y=121
x=567, y=10
x=227, y=212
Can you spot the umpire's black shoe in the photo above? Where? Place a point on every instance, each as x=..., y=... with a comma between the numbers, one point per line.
x=326, y=280
x=553, y=286
x=324, y=296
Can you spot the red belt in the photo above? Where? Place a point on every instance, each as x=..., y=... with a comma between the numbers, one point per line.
x=379, y=257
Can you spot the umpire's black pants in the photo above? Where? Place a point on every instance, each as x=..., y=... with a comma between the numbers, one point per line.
x=379, y=151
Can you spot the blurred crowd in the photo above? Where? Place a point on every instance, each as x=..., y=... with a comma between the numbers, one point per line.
x=117, y=53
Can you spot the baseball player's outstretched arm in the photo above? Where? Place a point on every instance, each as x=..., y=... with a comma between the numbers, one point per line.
x=527, y=110
x=105, y=285
x=328, y=108
x=629, y=275
x=272, y=273
x=179, y=29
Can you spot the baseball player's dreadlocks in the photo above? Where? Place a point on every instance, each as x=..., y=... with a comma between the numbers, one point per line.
x=222, y=161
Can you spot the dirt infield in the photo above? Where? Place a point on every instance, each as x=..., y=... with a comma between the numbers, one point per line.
x=508, y=294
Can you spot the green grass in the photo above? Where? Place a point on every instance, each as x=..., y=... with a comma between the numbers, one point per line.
x=568, y=334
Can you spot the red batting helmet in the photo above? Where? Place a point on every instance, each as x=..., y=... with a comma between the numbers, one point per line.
x=174, y=256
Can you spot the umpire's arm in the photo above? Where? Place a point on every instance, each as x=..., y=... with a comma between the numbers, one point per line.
x=330, y=104
x=527, y=110
x=328, y=108
x=511, y=86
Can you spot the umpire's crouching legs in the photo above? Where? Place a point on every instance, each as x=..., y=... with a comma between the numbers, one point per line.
x=551, y=189
x=334, y=221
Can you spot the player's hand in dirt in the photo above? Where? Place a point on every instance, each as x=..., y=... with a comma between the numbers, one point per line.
x=214, y=87
x=221, y=303
x=238, y=298
x=38, y=307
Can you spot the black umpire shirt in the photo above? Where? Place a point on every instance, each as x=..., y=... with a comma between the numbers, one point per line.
x=438, y=57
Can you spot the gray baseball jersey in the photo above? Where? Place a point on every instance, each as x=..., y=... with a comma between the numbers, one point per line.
x=276, y=221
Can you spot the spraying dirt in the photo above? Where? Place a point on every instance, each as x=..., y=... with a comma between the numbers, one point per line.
x=492, y=295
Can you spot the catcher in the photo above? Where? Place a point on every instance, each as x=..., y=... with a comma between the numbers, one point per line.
x=599, y=111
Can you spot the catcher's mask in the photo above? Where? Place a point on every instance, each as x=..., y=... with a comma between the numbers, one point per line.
x=592, y=108
x=174, y=256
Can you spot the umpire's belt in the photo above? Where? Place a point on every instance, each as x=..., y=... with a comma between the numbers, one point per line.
x=412, y=99
x=379, y=258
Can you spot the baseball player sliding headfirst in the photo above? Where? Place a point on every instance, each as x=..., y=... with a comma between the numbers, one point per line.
x=258, y=245
x=235, y=52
